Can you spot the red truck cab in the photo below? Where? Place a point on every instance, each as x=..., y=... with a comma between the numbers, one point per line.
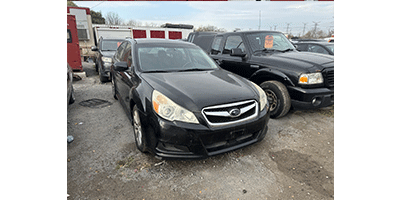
x=73, y=52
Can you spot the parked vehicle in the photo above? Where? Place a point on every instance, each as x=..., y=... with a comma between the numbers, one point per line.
x=85, y=31
x=182, y=104
x=70, y=89
x=105, y=51
x=291, y=79
x=73, y=52
x=316, y=47
x=202, y=39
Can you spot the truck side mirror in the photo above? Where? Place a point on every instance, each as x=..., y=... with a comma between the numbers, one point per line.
x=237, y=52
x=121, y=66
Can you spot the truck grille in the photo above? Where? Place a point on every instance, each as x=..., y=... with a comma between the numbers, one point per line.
x=230, y=113
x=329, y=77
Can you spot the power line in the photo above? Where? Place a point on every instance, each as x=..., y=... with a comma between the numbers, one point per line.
x=97, y=5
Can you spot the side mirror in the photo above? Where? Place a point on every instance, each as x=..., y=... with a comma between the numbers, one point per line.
x=121, y=66
x=94, y=48
x=237, y=52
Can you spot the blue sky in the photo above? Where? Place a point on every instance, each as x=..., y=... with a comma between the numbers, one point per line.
x=227, y=15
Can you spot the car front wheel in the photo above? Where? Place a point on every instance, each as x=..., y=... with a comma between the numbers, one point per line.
x=278, y=98
x=138, y=130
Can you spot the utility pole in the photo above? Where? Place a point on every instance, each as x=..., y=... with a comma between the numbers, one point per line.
x=304, y=28
x=287, y=29
x=259, y=20
x=315, y=28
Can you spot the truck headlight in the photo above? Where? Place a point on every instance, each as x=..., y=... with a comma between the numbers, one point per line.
x=263, y=97
x=106, y=59
x=311, y=78
x=171, y=111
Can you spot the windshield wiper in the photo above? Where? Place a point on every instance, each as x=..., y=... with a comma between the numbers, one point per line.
x=286, y=50
x=193, y=69
x=265, y=50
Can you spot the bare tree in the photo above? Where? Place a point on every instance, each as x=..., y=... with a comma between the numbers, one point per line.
x=113, y=19
x=210, y=28
x=132, y=22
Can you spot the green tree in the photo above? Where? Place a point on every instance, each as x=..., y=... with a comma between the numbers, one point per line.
x=70, y=3
x=97, y=18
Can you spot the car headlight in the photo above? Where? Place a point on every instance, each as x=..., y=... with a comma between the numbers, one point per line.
x=311, y=78
x=171, y=111
x=106, y=59
x=263, y=97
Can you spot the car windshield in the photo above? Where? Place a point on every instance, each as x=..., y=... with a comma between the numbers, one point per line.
x=265, y=41
x=110, y=45
x=171, y=58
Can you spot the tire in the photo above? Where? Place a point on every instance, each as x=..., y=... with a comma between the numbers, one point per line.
x=102, y=78
x=113, y=88
x=278, y=98
x=138, y=131
x=71, y=99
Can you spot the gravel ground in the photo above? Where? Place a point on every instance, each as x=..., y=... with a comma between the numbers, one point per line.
x=294, y=161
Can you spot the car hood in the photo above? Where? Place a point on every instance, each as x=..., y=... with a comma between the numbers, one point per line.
x=108, y=53
x=298, y=61
x=199, y=89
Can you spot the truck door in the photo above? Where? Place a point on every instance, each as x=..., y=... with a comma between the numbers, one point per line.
x=233, y=64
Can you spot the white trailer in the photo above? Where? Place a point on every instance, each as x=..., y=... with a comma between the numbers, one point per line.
x=143, y=32
x=111, y=33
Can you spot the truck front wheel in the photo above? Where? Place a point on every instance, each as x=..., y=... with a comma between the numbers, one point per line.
x=278, y=98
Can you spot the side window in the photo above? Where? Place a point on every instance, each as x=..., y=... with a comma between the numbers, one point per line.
x=69, y=38
x=215, y=45
x=302, y=47
x=233, y=42
x=118, y=54
x=317, y=49
x=127, y=55
x=190, y=39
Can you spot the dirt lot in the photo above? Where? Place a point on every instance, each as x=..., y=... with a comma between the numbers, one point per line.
x=294, y=161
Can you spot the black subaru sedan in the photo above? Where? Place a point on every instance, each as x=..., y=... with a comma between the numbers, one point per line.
x=181, y=103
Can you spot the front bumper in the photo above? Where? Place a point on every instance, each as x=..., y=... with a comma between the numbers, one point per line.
x=311, y=98
x=182, y=140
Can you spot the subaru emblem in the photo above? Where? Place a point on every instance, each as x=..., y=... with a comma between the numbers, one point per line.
x=235, y=112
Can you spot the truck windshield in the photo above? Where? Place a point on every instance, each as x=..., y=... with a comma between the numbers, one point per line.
x=168, y=59
x=269, y=41
x=110, y=45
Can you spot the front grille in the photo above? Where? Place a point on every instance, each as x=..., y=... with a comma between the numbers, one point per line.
x=329, y=77
x=225, y=114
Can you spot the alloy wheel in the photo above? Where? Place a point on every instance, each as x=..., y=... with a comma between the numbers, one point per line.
x=137, y=128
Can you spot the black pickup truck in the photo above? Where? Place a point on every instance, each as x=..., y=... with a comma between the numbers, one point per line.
x=291, y=79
